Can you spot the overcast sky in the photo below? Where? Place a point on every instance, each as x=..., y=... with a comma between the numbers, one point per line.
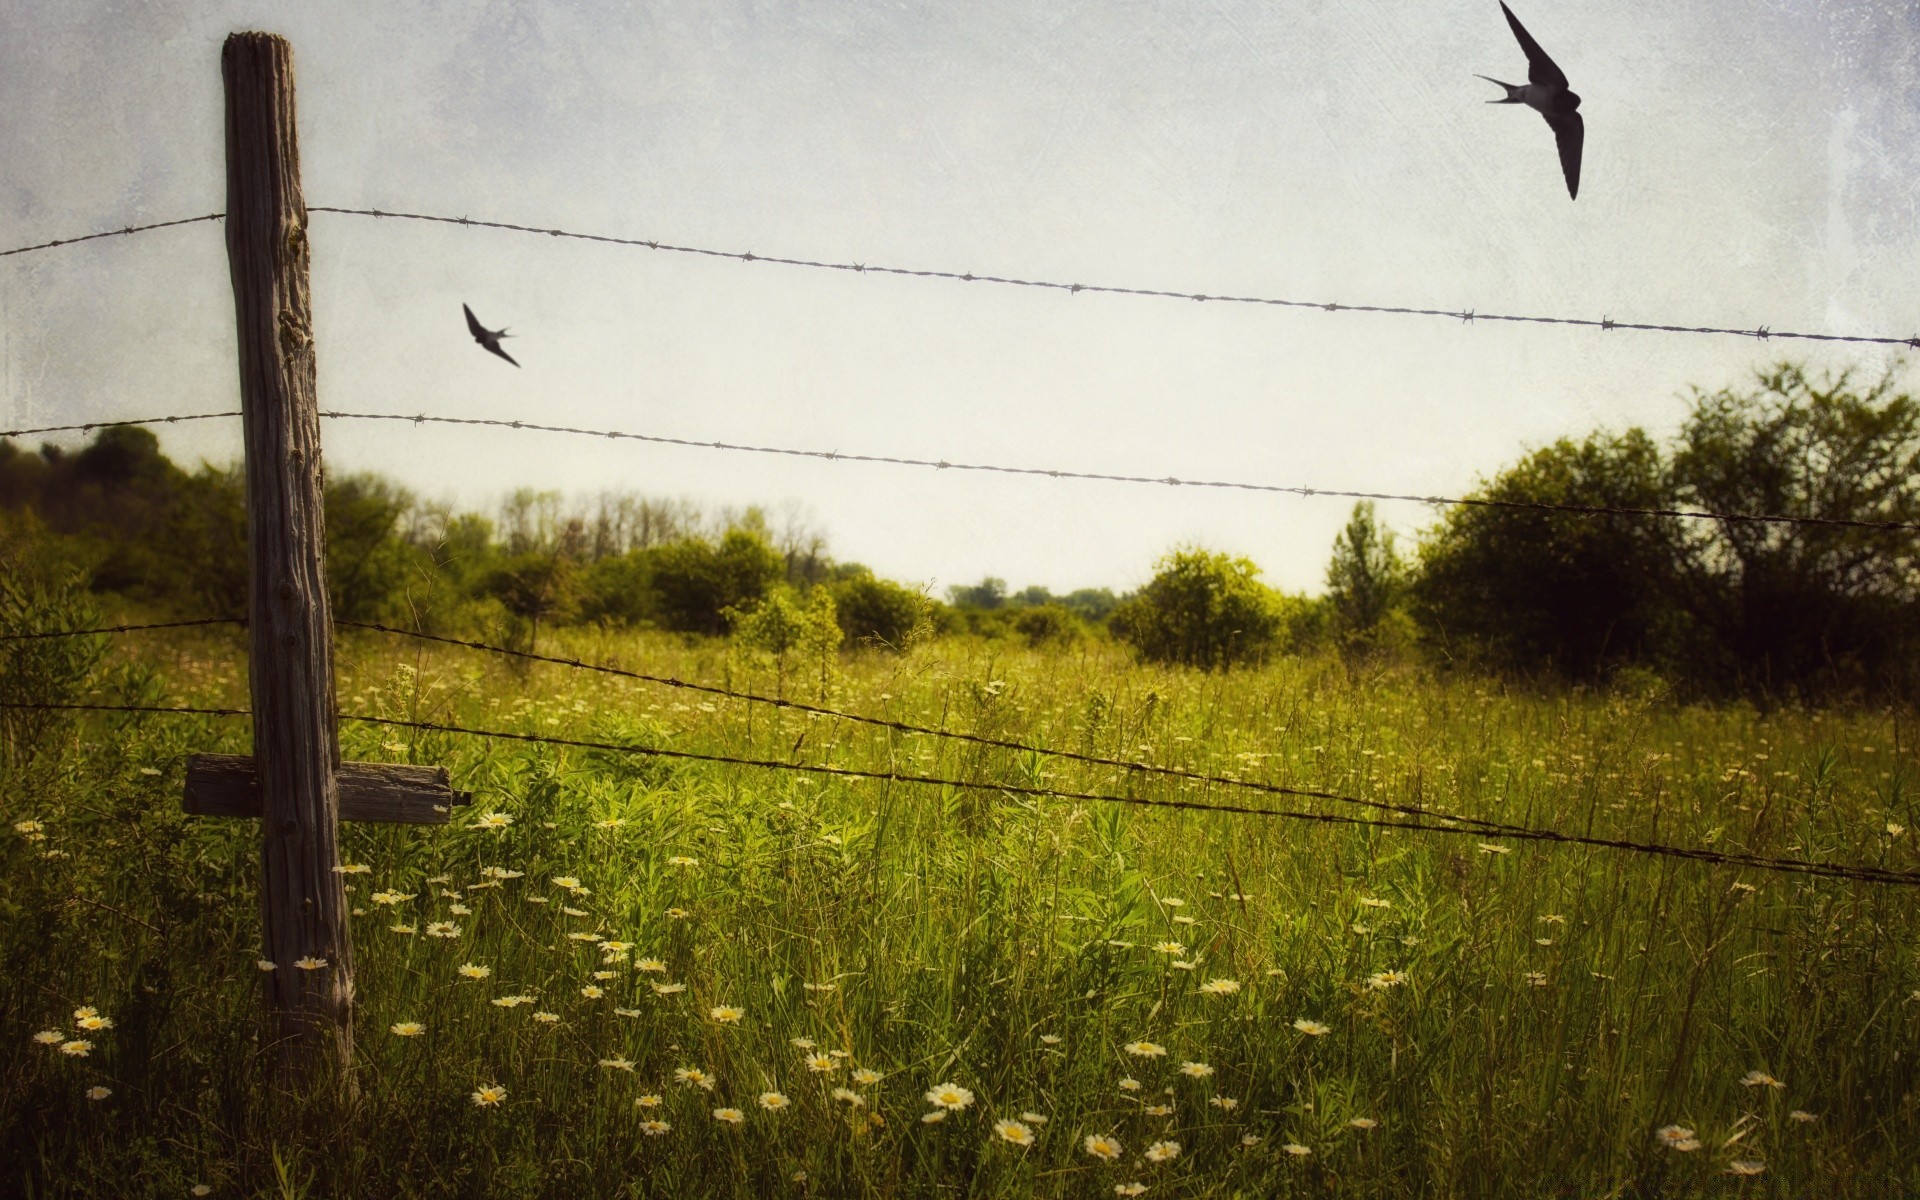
x=1747, y=164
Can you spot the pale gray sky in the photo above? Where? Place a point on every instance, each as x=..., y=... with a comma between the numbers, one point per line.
x=1746, y=164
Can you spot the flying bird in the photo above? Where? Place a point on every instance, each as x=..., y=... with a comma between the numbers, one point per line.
x=1546, y=92
x=490, y=338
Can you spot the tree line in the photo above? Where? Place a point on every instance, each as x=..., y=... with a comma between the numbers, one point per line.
x=126, y=520
x=1716, y=607
x=1721, y=607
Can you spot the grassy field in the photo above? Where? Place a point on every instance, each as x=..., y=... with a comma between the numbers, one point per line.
x=1190, y=1004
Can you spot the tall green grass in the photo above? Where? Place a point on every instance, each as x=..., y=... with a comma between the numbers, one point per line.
x=1515, y=1020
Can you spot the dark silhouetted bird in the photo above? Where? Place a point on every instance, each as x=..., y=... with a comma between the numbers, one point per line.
x=1546, y=92
x=490, y=338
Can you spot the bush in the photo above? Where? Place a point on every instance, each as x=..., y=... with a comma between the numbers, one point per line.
x=618, y=590
x=40, y=670
x=877, y=611
x=696, y=581
x=368, y=564
x=1804, y=608
x=1531, y=589
x=785, y=624
x=1048, y=624
x=1365, y=580
x=535, y=587
x=1756, y=607
x=1201, y=610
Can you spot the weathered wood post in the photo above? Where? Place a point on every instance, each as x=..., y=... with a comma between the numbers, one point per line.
x=296, y=750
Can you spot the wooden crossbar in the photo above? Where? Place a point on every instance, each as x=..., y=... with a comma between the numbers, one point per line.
x=228, y=785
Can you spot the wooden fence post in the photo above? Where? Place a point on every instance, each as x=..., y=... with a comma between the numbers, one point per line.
x=296, y=749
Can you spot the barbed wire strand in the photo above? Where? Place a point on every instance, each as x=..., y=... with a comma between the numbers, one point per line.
x=819, y=710
x=1467, y=315
x=67, y=633
x=1791, y=866
x=166, y=709
x=107, y=233
x=89, y=426
x=929, y=731
x=1169, y=481
x=1047, y=472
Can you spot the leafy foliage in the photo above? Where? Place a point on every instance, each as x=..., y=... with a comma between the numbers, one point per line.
x=535, y=586
x=41, y=671
x=1202, y=609
x=878, y=612
x=1799, y=606
x=1760, y=607
x=1048, y=624
x=1365, y=581
x=1532, y=590
x=695, y=581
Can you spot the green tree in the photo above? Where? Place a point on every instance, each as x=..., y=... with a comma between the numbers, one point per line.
x=1796, y=606
x=535, y=587
x=1533, y=589
x=990, y=593
x=368, y=562
x=1365, y=580
x=1048, y=624
x=784, y=622
x=201, y=560
x=1090, y=604
x=878, y=612
x=695, y=581
x=1203, y=610
x=618, y=590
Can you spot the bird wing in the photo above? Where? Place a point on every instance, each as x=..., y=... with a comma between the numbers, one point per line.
x=473, y=323
x=1570, y=132
x=495, y=347
x=1540, y=68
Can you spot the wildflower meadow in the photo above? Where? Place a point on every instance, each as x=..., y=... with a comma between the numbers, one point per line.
x=615, y=974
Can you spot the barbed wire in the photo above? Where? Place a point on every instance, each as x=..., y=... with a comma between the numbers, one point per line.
x=107, y=233
x=1046, y=472
x=1790, y=866
x=167, y=709
x=1762, y=332
x=1168, y=481
x=1606, y=323
x=67, y=633
x=929, y=731
x=820, y=710
x=89, y=426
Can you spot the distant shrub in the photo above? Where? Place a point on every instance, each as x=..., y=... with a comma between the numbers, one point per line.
x=875, y=611
x=618, y=590
x=1201, y=610
x=1365, y=580
x=40, y=671
x=535, y=587
x=785, y=624
x=1529, y=589
x=990, y=593
x=695, y=581
x=1047, y=625
x=368, y=563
